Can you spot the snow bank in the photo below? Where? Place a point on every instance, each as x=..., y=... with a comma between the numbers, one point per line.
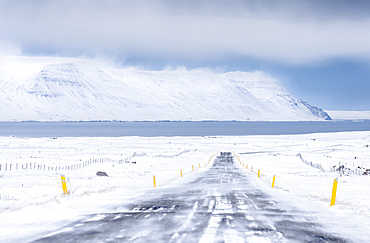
x=349, y=115
x=31, y=200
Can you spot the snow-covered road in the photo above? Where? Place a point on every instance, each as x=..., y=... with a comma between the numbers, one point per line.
x=220, y=205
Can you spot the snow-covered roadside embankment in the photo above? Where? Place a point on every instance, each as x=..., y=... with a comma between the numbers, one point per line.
x=303, y=166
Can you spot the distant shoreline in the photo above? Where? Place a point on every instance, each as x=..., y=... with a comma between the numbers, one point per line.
x=349, y=115
x=186, y=121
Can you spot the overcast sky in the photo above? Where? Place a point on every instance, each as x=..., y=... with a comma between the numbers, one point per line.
x=320, y=50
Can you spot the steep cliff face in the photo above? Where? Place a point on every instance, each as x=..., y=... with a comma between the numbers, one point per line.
x=70, y=89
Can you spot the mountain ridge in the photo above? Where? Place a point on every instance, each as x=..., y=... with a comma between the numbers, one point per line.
x=71, y=89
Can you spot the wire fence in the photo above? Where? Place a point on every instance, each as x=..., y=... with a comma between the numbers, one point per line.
x=341, y=169
x=75, y=166
x=312, y=164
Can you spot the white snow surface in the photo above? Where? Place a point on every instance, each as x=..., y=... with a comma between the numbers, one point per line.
x=31, y=200
x=349, y=115
x=71, y=89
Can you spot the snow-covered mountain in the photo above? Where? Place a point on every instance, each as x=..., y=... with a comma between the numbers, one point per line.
x=62, y=89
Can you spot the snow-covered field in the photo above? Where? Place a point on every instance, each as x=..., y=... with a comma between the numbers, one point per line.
x=31, y=198
x=349, y=115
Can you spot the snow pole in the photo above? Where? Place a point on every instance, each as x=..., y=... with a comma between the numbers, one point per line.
x=334, y=192
x=64, y=184
x=199, y=165
x=246, y=167
x=181, y=173
x=154, y=182
x=259, y=173
x=192, y=167
x=205, y=165
x=273, y=181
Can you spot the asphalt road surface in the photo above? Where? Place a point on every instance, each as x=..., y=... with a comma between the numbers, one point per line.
x=219, y=206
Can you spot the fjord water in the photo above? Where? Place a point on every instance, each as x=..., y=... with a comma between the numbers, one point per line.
x=166, y=128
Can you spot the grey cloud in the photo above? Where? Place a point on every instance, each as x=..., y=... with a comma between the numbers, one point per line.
x=288, y=31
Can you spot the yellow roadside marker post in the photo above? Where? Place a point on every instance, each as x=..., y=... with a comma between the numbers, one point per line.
x=334, y=192
x=246, y=167
x=258, y=173
x=192, y=167
x=273, y=181
x=64, y=184
x=181, y=173
x=154, y=181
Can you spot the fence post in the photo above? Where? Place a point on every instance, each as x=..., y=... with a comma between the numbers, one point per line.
x=334, y=192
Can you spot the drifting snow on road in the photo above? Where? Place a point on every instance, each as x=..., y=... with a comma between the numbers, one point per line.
x=221, y=205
